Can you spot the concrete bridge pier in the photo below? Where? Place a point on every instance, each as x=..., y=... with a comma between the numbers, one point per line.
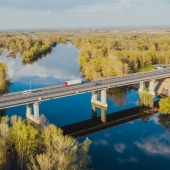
x=36, y=111
x=141, y=86
x=103, y=102
x=94, y=111
x=29, y=110
x=35, y=118
x=152, y=87
x=103, y=112
x=103, y=115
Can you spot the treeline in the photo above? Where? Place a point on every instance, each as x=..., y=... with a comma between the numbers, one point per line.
x=4, y=81
x=29, y=46
x=107, y=56
x=101, y=55
x=24, y=147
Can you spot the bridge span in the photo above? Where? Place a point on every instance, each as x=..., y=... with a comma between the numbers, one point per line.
x=16, y=99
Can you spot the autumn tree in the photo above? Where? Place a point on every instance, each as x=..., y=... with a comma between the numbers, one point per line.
x=60, y=152
x=164, y=105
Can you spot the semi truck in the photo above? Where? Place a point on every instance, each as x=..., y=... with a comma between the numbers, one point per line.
x=72, y=82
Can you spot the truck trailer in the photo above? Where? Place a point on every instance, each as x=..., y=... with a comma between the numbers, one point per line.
x=72, y=82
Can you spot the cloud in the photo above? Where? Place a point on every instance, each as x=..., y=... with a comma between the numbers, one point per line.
x=54, y=5
x=130, y=159
x=100, y=142
x=24, y=14
x=156, y=145
x=155, y=119
x=107, y=135
x=120, y=147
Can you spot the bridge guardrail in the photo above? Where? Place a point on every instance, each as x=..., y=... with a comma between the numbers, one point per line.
x=33, y=90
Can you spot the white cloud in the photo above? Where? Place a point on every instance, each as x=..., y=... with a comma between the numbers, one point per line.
x=155, y=119
x=120, y=147
x=130, y=159
x=80, y=13
x=156, y=145
x=100, y=142
x=107, y=135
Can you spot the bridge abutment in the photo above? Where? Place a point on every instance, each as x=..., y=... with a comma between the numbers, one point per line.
x=36, y=117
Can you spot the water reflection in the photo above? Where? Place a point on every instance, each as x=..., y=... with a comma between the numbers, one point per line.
x=132, y=145
x=146, y=99
x=61, y=64
x=164, y=120
x=111, y=120
x=147, y=112
x=119, y=95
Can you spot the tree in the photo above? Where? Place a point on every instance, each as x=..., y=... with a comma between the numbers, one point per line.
x=24, y=139
x=60, y=152
x=164, y=105
x=4, y=142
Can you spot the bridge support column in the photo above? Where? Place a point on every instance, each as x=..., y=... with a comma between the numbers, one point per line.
x=36, y=111
x=103, y=102
x=141, y=86
x=152, y=87
x=33, y=117
x=94, y=96
x=29, y=110
x=94, y=111
x=103, y=97
x=103, y=115
x=103, y=112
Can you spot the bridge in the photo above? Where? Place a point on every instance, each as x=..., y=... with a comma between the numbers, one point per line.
x=38, y=95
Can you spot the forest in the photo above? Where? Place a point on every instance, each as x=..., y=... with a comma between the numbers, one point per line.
x=4, y=81
x=29, y=46
x=112, y=55
x=101, y=55
x=25, y=147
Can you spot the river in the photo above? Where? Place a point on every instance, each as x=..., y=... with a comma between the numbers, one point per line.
x=137, y=144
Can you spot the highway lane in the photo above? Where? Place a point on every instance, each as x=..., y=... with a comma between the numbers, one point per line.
x=54, y=92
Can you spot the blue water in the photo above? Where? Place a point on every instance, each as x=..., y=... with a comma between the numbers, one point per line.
x=134, y=145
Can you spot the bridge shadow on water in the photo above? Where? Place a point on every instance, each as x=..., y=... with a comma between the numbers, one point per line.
x=114, y=119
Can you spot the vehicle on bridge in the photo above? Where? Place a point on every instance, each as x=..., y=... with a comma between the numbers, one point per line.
x=160, y=67
x=27, y=92
x=72, y=82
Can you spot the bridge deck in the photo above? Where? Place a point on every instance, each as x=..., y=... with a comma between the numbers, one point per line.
x=15, y=99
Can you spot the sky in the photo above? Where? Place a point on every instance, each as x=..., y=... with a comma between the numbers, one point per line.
x=30, y=14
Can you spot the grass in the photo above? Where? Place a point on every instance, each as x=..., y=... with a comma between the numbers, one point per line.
x=146, y=68
x=146, y=89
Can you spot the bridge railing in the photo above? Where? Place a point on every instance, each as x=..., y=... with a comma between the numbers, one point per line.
x=116, y=77
x=33, y=90
x=132, y=74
